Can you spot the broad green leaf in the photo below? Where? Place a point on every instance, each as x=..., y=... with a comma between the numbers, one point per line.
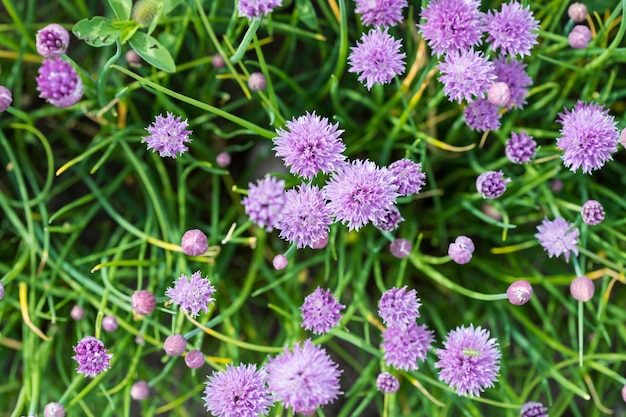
x=121, y=8
x=307, y=13
x=97, y=31
x=152, y=52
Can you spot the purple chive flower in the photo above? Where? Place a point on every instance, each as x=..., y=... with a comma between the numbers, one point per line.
x=321, y=311
x=194, y=359
x=589, y=136
x=92, y=356
x=408, y=176
x=377, y=58
x=390, y=221
x=387, y=383
x=237, y=391
x=52, y=41
x=513, y=30
x=194, y=242
x=192, y=294
x=54, y=410
x=304, y=378
x=579, y=37
x=461, y=250
x=257, y=8
x=380, y=12
x=257, y=81
x=465, y=74
x=360, y=193
x=139, y=391
x=399, y=307
x=168, y=136
x=404, y=346
x=491, y=184
x=109, y=323
x=265, y=201
x=280, y=262
x=499, y=94
x=519, y=292
x=520, y=148
x=577, y=12
x=482, y=115
x=513, y=73
x=143, y=302
x=175, y=345
x=592, y=212
x=558, y=237
x=533, y=409
x=582, y=288
x=310, y=144
x=469, y=361
x=59, y=83
x=452, y=25
x=305, y=218
x=6, y=98
x=400, y=248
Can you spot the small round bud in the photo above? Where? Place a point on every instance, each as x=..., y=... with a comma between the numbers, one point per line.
x=52, y=41
x=624, y=393
x=132, y=58
x=175, y=345
x=490, y=211
x=53, y=410
x=139, y=391
x=592, y=212
x=556, y=185
x=194, y=242
x=144, y=12
x=280, y=262
x=579, y=37
x=519, y=292
x=194, y=359
x=499, y=94
x=257, y=81
x=577, y=12
x=223, y=159
x=140, y=340
x=1, y=291
x=582, y=288
x=320, y=243
x=400, y=248
x=461, y=250
x=387, y=383
x=218, y=61
x=6, y=98
x=77, y=313
x=143, y=302
x=491, y=184
x=622, y=137
x=109, y=323
x=533, y=409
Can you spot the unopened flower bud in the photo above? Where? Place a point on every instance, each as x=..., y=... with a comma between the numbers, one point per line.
x=144, y=12
x=52, y=41
x=400, y=248
x=175, y=345
x=132, y=58
x=194, y=359
x=579, y=37
x=491, y=184
x=223, y=159
x=59, y=84
x=582, y=288
x=577, y=12
x=143, y=302
x=592, y=212
x=320, y=243
x=461, y=250
x=533, y=409
x=519, y=292
x=53, y=410
x=77, y=313
x=6, y=98
x=257, y=81
x=387, y=383
x=194, y=242
x=280, y=262
x=109, y=323
x=499, y=94
x=1, y=291
x=139, y=391
x=218, y=61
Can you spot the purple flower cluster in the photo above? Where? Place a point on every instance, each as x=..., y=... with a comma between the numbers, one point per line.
x=304, y=378
x=482, y=115
x=380, y=12
x=520, y=148
x=168, y=136
x=466, y=74
x=519, y=292
x=257, y=8
x=321, y=311
x=558, y=237
x=533, y=409
x=59, y=83
x=513, y=73
x=238, y=391
x=390, y=221
x=310, y=144
x=408, y=176
x=92, y=357
x=265, y=201
x=589, y=136
x=592, y=212
x=52, y=41
x=461, y=250
x=469, y=361
x=192, y=294
x=387, y=383
x=399, y=307
x=377, y=58
x=512, y=30
x=491, y=184
x=404, y=346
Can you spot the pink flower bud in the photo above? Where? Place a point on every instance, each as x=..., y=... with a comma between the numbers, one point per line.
x=6, y=98
x=499, y=94
x=400, y=248
x=579, y=37
x=139, y=391
x=223, y=159
x=133, y=58
x=175, y=345
x=143, y=302
x=592, y=212
x=519, y=292
x=280, y=262
x=77, y=313
x=217, y=61
x=577, y=12
x=53, y=410
x=582, y=288
x=257, y=81
x=194, y=359
x=109, y=323
x=194, y=242
x=461, y=250
x=52, y=41
x=320, y=243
